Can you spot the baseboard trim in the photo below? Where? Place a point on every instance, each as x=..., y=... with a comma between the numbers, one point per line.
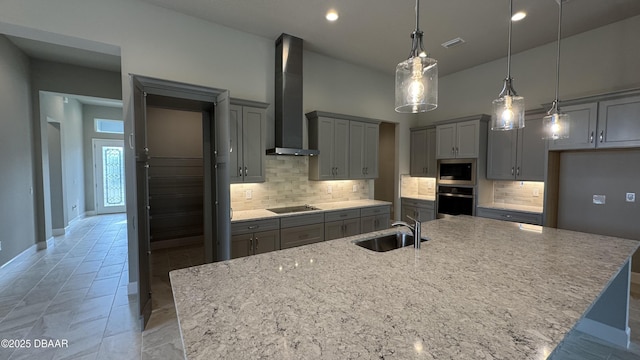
x=90, y=213
x=27, y=252
x=605, y=332
x=132, y=288
x=58, y=232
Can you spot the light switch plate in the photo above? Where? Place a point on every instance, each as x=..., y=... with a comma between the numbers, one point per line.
x=631, y=197
x=536, y=192
x=355, y=188
x=599, y=199
x=329, y=189
x=248, y=194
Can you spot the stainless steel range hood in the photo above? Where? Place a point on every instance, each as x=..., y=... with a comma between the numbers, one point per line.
x=288, y=98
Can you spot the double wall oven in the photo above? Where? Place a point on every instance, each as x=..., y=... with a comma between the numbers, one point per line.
x=456, y=187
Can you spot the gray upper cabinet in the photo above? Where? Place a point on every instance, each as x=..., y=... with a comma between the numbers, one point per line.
x=247, y=130
x=458, y=140
x=582, y=128
x=517, y=154
x=609, y=121
x=363, y=150
x=423, y=152
x=331, y=137
x=619, y=123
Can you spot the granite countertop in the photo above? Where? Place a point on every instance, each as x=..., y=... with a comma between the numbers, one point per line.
x=479, y=289
x=260, y=214
x=513, y=207
x=420, y=197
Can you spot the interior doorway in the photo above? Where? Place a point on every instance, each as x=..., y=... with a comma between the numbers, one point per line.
x=109, y=176
x=56, y=203
x=385, y=185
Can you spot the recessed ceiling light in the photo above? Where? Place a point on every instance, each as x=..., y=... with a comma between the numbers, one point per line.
x=332, y=15
x=519, y=16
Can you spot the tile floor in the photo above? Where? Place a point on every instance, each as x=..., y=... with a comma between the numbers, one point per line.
x=77, y=290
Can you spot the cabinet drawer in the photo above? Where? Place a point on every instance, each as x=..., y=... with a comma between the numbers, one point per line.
x=419, y=203
x=301, y=235
x=377, y=210
x=246, y=227
x=509, y=215
x=300, y=220
x=341, y=215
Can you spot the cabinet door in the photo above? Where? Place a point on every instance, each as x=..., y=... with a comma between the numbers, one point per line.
x=235, y=139
x=326, y=147
x=253, y=139
x=531, y=151
x=582, y=128
x=418, y=154
x=426, y=214
x=501, y=154
x=619, y=123
x=381, y=222
x=341, y=149
x=370, y=155
x=356, y=150
x=367, y=224
x=266, y=241
x=407, y=211
x=446, y=141
x=431, y=162
x=333, y=230
x=351, y=227
x=468, y=139
x=241, y=245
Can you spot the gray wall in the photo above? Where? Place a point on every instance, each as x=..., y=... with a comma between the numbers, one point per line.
x=17, y=213
x=56, y=188
x=89, y=113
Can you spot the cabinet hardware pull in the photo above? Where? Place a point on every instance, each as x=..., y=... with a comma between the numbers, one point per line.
x=518, y=171
x=512, y=170
x=601, y=135
x=251, y=245
x=457, y=150
x=240, y=171
x=131, y=141
x=591, y=137
x=245, y=171
x=253, y=227
x=453, y=150
x=256, y=247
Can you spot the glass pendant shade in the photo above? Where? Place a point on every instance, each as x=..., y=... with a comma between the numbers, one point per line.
x=508, y=113
x=556, y=126
x=417, y=85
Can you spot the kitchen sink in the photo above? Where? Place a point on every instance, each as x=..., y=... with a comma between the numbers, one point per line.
x=388, y=242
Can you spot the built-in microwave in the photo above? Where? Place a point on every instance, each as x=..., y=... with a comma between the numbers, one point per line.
x=457, y=172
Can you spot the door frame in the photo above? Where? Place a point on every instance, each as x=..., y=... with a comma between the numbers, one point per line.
x=98, y=176
x=217, y=188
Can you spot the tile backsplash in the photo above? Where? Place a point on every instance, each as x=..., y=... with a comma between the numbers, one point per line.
x=417, y=186
x=519, y=192
x=287, y=183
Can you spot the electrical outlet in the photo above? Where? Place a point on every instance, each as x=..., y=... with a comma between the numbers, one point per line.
x=631, y=197
x=329, y=189
x=248, y=194
x=536, y=192
x=355, y=188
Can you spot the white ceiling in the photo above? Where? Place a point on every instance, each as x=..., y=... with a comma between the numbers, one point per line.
x=375, y=33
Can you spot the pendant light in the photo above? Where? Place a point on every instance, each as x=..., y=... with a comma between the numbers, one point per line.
x=417, y=77
x=556, y=123
x=508, y=108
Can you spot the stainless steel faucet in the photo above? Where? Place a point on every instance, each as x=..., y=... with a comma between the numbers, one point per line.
x=416, y=229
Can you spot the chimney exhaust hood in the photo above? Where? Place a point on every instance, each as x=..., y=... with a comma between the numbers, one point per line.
x=288, y=98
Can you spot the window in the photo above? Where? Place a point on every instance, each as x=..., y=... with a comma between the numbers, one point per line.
x=109, y=126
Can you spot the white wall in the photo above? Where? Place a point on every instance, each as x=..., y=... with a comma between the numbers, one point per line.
x=89, y=113
x=17, y=213
x=598, y=61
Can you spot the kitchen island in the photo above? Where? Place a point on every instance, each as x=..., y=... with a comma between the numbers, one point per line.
x=479, y=289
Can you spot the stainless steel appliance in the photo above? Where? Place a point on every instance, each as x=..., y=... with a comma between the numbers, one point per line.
x=456, y=200
x=457, y=172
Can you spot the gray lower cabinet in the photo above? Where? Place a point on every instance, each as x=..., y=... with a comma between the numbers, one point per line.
x=374, y=218
x=343, y=223
x=519, y=154
x=254, y=237
x=300, y=230
x=247, y=140
x=422, y=210
x=510, y=215
x=423, y=152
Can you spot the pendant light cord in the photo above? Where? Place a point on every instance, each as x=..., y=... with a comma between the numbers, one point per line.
x=509, y=49
x=558, y=52
x=417, y=14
